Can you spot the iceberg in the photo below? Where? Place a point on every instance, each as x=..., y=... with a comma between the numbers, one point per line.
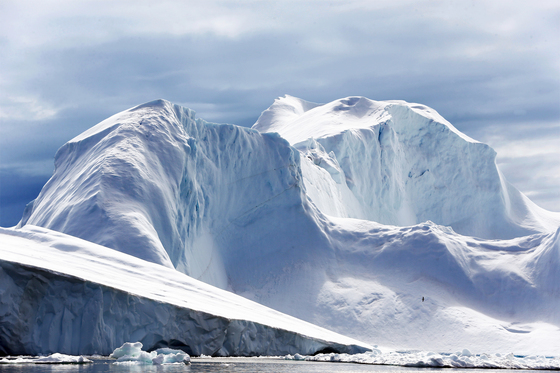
x=132, y=352
x=376, y=219
x=127, y=349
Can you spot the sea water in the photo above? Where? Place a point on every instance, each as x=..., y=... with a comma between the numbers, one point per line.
x=233, y=365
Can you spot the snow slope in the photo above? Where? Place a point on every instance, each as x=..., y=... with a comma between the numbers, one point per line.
x=426, y=287
x=63, y=294
x=346, y=219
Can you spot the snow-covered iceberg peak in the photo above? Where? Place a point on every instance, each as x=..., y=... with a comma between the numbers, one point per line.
x=401, y=163
x=157, y=183
x=297, y=120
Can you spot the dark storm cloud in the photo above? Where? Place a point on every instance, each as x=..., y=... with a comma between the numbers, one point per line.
x=16, y=191
x=489, y=68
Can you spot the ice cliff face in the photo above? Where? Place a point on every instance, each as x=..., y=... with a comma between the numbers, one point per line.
x=62, y=294
x=295, y=219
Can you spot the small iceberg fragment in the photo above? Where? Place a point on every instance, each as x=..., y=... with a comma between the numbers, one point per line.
x=131, y=353
x=62, y=359
x=51, y=359
x=127, y=349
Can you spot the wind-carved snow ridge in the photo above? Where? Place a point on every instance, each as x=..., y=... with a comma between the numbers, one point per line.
x=376, y=219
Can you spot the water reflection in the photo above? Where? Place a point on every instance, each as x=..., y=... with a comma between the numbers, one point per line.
x=229, y=365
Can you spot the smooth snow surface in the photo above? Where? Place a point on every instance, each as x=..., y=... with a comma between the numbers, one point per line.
x=360, y=216
x=63, y=294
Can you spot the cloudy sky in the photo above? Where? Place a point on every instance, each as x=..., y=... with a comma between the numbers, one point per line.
x=492, y=68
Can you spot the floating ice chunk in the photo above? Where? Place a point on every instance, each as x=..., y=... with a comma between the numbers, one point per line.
x=180, y=357
x=143, y=357
x=167, y=351
x=436, y=361
x=16, y=361
x=170, y=356
x=51, y=359
x=131, y=353
x=158, y=360
x=62, y=359
x=464, y=359
x=127, y=349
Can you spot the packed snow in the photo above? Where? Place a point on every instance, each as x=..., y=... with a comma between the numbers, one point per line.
x=376, y=219
x=63, y=294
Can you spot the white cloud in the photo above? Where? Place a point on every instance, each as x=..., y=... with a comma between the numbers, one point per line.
x=532, y=165
x=480, y=64
x=26, y=108
x=520, y=148
x=67, y=23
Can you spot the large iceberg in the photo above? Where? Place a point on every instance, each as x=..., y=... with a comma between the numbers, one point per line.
x=379, y=220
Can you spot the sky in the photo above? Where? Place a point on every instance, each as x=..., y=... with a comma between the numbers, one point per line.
x=491, y=68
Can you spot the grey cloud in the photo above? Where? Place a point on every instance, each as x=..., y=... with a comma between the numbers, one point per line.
x=488, y=68
x=537, y=176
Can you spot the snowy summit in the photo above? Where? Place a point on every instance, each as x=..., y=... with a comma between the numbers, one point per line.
x=378, y=220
